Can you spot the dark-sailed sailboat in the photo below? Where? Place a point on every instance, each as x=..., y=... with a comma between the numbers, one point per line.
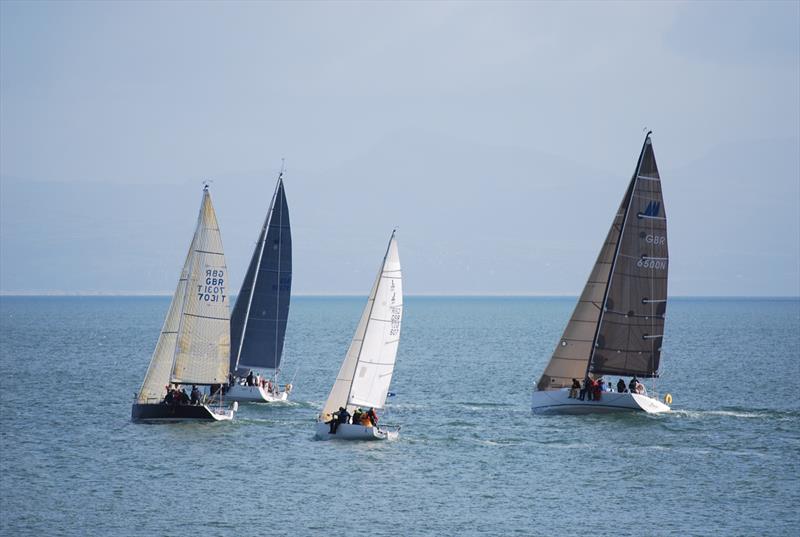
x=258, y=322
x=617, y=327
x=194, y=344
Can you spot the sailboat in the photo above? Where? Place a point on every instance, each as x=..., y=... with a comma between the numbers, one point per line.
x=366, y=372
x=258, y=322
x=617, y=327
x=194, y=344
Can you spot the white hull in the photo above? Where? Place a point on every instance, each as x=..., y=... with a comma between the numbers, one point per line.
x=254, y=394
x=348, y=431
x=558, y=402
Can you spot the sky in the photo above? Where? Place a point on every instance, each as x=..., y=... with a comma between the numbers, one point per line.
x=497, y=137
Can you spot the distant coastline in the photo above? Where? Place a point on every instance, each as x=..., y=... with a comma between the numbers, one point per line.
x=165, y=294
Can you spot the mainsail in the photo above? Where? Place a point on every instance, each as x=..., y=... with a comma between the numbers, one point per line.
x=258, y=322
x=194, y=343
x=617, y=325
x=366, y=372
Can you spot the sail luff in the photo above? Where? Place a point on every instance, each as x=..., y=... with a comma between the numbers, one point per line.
x=263, y=241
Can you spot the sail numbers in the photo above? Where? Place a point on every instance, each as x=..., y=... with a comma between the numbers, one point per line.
x=658, y=240
x=213, y=289
x=394, y=327
x=658, y=264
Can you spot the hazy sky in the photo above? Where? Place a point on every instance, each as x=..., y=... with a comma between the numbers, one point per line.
x=499, y=137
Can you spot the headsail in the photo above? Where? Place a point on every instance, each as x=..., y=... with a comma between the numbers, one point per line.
x=366, y=373
x=589, y=333
x=203, y=342
x=258, y=322
x=631, y=327
x=158, y=372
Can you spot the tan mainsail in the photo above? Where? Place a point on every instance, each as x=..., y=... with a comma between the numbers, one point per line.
x=204, y=338
x=619, y=319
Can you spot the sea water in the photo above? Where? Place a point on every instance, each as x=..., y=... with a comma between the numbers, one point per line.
x=471, y=458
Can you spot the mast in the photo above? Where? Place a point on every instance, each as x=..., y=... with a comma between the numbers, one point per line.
x=631, y=188
x=369, y=316
x=264, y=232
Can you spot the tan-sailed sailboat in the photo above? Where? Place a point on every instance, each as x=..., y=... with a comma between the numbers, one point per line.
x=617, y=327
x=194, y=344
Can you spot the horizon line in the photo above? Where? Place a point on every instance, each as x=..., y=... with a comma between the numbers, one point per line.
x=157, y=294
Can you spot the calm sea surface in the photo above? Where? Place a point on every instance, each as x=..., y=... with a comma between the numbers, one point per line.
x=471, y=459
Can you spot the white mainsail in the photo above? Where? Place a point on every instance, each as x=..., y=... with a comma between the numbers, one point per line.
x=194, y=343
x=366, y=372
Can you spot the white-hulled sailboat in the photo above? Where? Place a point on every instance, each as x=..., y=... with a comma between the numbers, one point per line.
x=194, y=344
x=258, y=322
x=364, y=377
x=617, y=327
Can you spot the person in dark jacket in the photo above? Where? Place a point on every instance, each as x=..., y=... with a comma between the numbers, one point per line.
x=169, y=398
x=339, y=417
x=357, y=416
x=621, y=386
x=195, y=397
x=250, y=378
x=632, y=385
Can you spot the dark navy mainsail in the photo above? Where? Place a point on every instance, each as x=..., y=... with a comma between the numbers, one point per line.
x=258, y=322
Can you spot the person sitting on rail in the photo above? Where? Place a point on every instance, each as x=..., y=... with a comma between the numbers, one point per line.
x=621, y=386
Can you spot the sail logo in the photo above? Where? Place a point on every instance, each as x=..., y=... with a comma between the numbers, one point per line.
x=652, y=209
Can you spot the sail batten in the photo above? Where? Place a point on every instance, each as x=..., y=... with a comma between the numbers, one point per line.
x=259, y=319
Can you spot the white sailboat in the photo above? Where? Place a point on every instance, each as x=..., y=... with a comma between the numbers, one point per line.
x=194, y=344
x=366, y=372
x=617, y=327
x=258, y=322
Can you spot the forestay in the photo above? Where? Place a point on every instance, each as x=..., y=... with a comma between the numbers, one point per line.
x=203, y=342
x=258, y=322
x=366, y=373
x=631, y=328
